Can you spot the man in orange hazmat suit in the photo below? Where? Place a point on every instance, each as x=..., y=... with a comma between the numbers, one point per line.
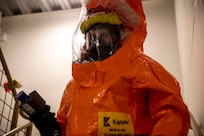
x=116, y=89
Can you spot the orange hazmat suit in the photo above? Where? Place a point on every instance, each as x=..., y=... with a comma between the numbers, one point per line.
x=126, y=94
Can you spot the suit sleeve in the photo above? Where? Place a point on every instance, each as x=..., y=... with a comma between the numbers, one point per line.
x=170, y=115
x=63, y=110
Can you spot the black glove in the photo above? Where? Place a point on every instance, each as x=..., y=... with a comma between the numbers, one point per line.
x=39, y=113
x=46, y=123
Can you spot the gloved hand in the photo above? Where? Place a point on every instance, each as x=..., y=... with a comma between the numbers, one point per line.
x=39, y=113
x=46, y=123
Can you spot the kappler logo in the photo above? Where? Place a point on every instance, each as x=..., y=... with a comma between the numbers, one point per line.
x=105, y=121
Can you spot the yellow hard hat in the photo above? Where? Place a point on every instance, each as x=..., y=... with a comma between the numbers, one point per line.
x=100, y=15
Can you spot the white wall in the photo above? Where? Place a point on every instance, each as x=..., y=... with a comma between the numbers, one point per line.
x=38, y=47
x=38, y=52
x=190, y=20
x=161, y=42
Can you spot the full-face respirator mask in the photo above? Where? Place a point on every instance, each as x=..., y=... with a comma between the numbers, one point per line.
x=100, y=36
x=102, y=41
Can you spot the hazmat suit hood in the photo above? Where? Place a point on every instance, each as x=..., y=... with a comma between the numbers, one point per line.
x=133, y=19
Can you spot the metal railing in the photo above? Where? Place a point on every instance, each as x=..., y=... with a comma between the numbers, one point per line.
x=9, y=105
x=27, y=127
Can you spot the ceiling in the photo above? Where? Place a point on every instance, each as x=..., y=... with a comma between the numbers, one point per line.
x=19, y=7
